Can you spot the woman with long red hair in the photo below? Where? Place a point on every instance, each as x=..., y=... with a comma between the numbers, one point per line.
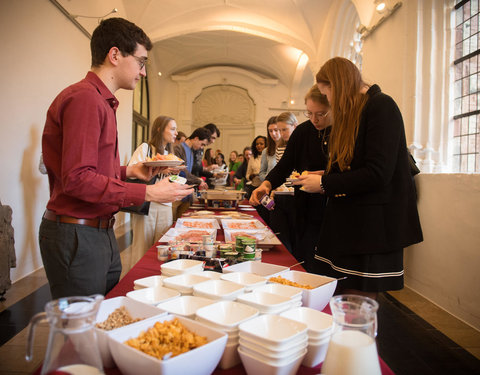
x=371, y=213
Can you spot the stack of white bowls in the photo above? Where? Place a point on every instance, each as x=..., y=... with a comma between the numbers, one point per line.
x=267, y=303
x=320, y=327
x=226, y=316
x=184, y=282
x=272, y=345
x=181, y=266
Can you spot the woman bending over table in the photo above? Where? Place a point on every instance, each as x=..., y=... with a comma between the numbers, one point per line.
x=371, y=213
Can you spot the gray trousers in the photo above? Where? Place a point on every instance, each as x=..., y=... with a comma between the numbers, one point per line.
x=79, y=260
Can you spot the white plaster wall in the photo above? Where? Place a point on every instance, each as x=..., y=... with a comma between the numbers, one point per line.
x=411, y=68
x=445, y=267
x=43, y=53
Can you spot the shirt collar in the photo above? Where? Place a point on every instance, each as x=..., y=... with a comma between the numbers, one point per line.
x=103, y=90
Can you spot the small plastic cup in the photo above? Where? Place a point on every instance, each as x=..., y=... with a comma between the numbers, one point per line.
x=162, y=253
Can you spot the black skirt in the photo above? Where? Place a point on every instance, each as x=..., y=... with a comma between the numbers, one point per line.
x=377, y=272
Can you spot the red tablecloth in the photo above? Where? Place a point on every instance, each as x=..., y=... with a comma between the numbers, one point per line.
x=149, y=265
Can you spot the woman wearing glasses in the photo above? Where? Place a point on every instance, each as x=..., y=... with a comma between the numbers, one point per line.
x=371, y=212
x=306, y=151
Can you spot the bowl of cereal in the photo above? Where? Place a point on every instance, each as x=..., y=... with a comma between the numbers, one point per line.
x=317, y=289
x=115, y=313
x=170, y=345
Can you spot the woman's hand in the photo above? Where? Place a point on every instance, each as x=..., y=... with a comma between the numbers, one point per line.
x=264, y=188
x=311, y=183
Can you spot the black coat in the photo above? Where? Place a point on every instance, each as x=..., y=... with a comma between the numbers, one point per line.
x=371, y=207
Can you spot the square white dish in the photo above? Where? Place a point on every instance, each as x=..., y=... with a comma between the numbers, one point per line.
x=227, y=314
x=266, y=303
x=258, y=268
x=201, y=360
x=181, y=266
x=218, y=289
x=249, y=280
x=153, y=296
x=273, y=330
x=148, y=282
x=323, y=288
x=186, y=306
x=136, y=309
x=184, y=282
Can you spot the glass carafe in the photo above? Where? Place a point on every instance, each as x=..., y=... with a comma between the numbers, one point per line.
x=352, y=349
x=72, y=342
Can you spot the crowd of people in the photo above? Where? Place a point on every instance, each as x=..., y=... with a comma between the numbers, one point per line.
x=352, y=212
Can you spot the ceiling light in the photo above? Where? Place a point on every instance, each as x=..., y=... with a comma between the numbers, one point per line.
x=380, y=6
x=159, y=74
x=292, y=101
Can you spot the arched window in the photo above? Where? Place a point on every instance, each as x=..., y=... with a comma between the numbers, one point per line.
x=141, y=114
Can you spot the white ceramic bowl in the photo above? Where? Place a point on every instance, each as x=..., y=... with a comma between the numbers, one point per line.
x=153, y=296
x=272, y=329
x=249, y=280
x=255, y=365
x=218, y=289
x=316, y=353
x=148, y=282
x=282, y=290
x=266, y=303
x=227, y=314
x=135, y=309
x=230, y=356
x=179, y=266
x=271, y=353
x=184, y=283
x=185, y=306
x=319, y=324
x=232, y=332
x=258, y=268
x=210, y=274
x=323, y=288
x=201, y=360
x=286, y=346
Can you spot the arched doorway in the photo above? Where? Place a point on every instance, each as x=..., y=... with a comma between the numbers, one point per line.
x=233, y=111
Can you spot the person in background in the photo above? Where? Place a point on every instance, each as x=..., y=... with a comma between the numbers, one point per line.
x=79, y=146
x=208, y=161
x=233, y=163
x=268, y=154
x=197, y=141
x=198, y=169
x=220, y=161
x=253, y=167
x=307, y=150
x=239, y=177
x=286, y=124
x=180, y=138
x=371, y=213
x=148, y=229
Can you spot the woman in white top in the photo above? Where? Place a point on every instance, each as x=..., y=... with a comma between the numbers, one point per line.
x=148, y=229
x=268, y=154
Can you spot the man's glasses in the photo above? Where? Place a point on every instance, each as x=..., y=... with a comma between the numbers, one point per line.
x=317, y=115
x=141, y=61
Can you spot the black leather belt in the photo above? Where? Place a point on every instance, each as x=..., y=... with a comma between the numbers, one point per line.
x=95, y=223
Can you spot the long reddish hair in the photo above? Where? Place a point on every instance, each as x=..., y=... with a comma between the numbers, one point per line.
x=347, y=103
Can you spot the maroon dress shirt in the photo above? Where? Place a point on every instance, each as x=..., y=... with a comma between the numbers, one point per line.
x=80, y=151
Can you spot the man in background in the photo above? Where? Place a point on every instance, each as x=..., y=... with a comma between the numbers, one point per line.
x=196, y=142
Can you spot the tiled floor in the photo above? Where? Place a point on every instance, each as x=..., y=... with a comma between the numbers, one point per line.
x=415, y=336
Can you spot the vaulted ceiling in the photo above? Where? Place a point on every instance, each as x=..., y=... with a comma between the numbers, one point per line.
x=282, y=39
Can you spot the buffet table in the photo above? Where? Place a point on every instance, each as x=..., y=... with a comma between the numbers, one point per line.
x=149, y=265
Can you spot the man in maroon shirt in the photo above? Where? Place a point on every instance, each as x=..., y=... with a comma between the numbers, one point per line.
x=80, y=151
